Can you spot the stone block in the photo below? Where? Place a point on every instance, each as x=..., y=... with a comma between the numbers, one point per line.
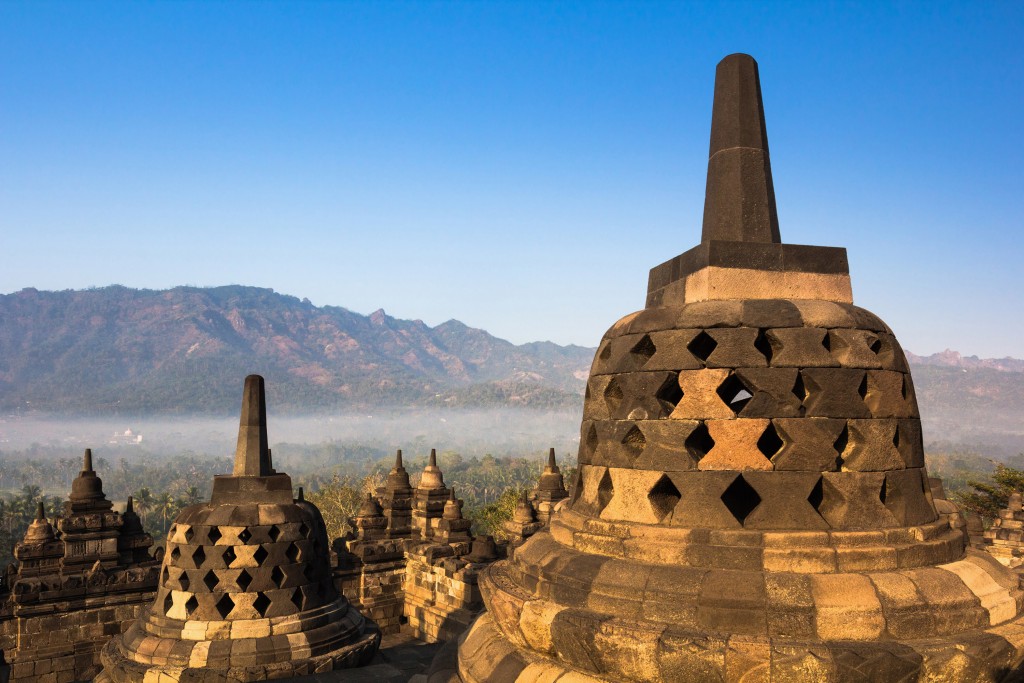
x=700, y=503
x=905, y=497
x=733, y=602
x=871, y=446
x=700, y=399
x=785, y=501
x=886, y=394
x=848, y=607
x=773, y=392
x=855, y=348
x=665, y=445
x=735, y=347
x=853, y=500
x=834, y=392
x=808, y=443
x=800, y=347
x=909, y=442
x=684, y=655
x=642, y=395
x=736, y=445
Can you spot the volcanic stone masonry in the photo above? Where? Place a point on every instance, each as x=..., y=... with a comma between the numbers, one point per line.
x=246, y=591
x=751, y=501
x=76, y=586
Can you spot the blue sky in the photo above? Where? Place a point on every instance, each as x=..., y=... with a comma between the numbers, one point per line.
x=517, y=166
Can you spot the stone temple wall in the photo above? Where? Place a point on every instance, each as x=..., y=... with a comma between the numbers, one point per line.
x=61, y=642
x=377, y=590
x=441, y=596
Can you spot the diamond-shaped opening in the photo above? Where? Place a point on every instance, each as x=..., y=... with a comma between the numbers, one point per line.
x=576, y=487
x=606, y=351
x=882, y=492
x=224, y=606
x=198, y=557
x=211, y=580
x=277, y=576
x=168, y=603
x=605, y=491
x=863, y=388
x=734, y=393
x=274, y=533
x=214, y=534
x=189, y=534
x=770, y=443
x=586, y=393
x=634, y=441
x=229, y=556
x=298, y=599
x=243, y=580
x=896, y=437
x=670, y=391
x=244, y=535
x=817, y=494
x=903, y=388
x=293, y=552
x=166, y=577
x=191, y=606
x=763, y=344
x=643, y=350
x=309, y=572
x=613, y=395
x=591, y=439
x=699, y=442
x=261, y=603
x=304, y=530
x=702, y=346
x=183, y=581
x=260, y=555
x=876, y=346
x=740, y=498
x=842, y=440
x=175, y=553
x=799, y=389
x=663, y=497
x=826, y=341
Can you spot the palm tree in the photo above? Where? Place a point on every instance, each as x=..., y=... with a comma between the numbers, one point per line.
x=31, y=493
x=191, y=495
x=164, y=504
x=143, y=501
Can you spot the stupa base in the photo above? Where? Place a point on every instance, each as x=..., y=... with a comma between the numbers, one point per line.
x=486, y=656
x=314, y=643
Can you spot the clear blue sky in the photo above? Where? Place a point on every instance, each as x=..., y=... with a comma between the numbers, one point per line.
x=518, y=166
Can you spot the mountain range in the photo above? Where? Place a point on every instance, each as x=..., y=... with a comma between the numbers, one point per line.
x=115, y=350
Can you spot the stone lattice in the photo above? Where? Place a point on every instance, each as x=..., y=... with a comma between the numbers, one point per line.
x=751, y=502
x=246, y=591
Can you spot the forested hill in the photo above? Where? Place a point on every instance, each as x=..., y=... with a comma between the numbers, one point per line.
x=186, y=350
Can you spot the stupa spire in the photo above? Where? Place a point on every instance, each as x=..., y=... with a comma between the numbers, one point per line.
x=739, y=201
x=87, y=461
x=252, y=455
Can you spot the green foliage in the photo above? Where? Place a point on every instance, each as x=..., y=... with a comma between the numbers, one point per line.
x=989, y=497
x=487, y=519
x=337, y=501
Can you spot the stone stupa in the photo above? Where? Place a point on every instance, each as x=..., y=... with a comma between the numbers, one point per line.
x=246, y=591
x=751, y=502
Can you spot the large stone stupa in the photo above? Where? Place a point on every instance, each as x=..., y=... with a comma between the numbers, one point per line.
x=246, y=591
x=751, y=502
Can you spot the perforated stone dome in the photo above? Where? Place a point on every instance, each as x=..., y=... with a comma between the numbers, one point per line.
x=246, y=591
x=751, y=501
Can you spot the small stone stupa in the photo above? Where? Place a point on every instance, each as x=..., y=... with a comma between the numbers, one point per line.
x=751, y=502
x=246, y=591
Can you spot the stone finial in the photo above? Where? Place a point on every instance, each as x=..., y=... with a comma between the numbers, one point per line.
x=432, y=477
x=130, y=505
x=252, y=455
x=302, y=495
x=524, y=512
x=87, y=488
x=483, y=549
x=739, y=201
x=370, y=507
x=452, y=507
x=552, y=464
x=398, y=477
x=40, y=530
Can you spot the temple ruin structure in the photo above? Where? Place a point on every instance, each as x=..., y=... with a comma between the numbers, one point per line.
x=751, y=500
x=76, y=585
x=246, y=591
x=1004, y=540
